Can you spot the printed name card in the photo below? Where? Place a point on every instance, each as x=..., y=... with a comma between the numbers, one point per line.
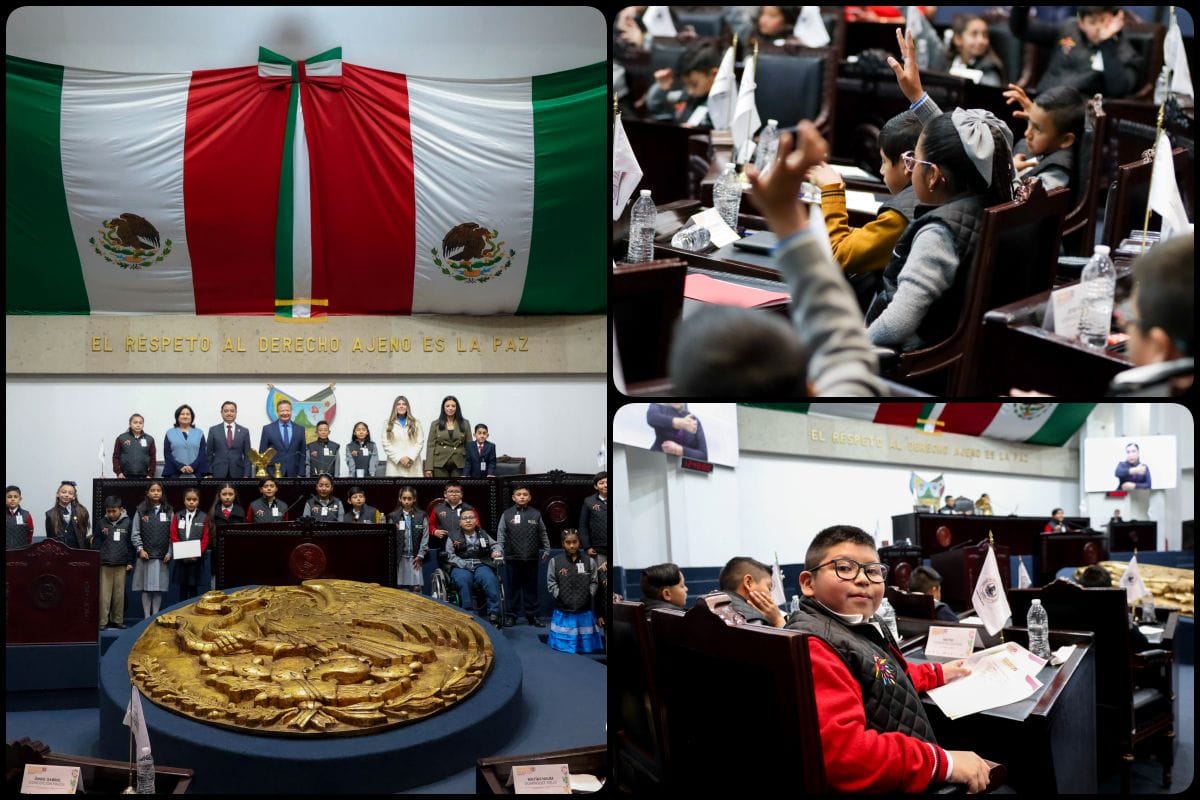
x=541, y=779
x=950, y=642
x=46, y=779
x=719, y=232
x=1067, y=305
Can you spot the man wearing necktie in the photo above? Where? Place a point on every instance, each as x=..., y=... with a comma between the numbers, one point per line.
x=288, y=440
x=228, y=446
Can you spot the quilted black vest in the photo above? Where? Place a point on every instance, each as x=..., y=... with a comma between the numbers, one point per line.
x=574, y=587
x=196, y=531
x=17, y=535
x=890, y=700
x=523, y=539
x=963, y=217
x=134, y=459
x=905, y=202
x=415, y=531
x=115, y=553
x=597, y=523
x=156, y=534
x=318, y=462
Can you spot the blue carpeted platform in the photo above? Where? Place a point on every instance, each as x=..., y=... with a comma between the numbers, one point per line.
x=227, y=761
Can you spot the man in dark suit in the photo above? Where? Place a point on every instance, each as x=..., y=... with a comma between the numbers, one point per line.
x=229, y=446
x=288, y=440
x=481, y=455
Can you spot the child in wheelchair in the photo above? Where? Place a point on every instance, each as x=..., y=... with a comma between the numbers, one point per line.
x=474, y=561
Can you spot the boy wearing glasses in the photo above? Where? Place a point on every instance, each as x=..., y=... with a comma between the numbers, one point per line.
x=875, y=734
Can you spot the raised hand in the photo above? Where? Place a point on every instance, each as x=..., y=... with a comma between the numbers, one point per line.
x=664, y=78
x=1015, y=94
x=775, y=193
x=825, y=175
x=1115, y=24
x=908, y=75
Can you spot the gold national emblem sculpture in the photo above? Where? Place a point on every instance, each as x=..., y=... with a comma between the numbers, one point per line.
x=325, y=657
x=260, y=461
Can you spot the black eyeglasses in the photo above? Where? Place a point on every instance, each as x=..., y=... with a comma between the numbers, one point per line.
x=848, y=569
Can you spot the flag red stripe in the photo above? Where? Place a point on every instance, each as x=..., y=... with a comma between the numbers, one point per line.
x=364, y=219
x=233, y=152
x=967, y=418
x=899, y=413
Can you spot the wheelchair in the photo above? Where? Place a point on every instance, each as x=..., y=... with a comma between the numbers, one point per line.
x=446, y=590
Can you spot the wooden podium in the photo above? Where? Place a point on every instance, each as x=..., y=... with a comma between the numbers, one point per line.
x=289, y=553
x=52, y=594
x=1125, y=537
x=1070, y=550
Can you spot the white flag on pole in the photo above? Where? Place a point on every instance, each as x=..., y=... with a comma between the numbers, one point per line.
x=778, y=595
x=746, y=121
x=1176, y=60
x=101, y=457
x=810, y=29
x=626, y=171
x=722, y=94
x=136, y=721
x=1132, y=583
x=1023, y=581
x=989, y=600
x=658, y=22
x=1164, y=191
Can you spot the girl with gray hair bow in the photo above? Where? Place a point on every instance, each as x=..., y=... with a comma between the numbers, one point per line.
x=961, y=165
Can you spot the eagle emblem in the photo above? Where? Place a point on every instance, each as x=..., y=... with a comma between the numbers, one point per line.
x=130, y=241
x=471, y=254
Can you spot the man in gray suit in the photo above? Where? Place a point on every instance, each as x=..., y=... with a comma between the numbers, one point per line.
x=229, y=446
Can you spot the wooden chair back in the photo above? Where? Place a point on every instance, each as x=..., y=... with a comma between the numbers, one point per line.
x=960, y=567
x=911, y=604
x=1128, y=195
x=637, y=727
x=726, y=686
x=1079, y=227
x=647, y=299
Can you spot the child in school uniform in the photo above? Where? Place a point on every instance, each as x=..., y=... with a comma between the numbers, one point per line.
x=225, y=507
x=524, y=540
x=868, y=249
x=134, y=453
x=874, y=732
x=361, y=454
x=357, y=509
x=412, y=540
x=68, y=520
x=323, y=506
x=189, y=524
x=571, y=580
x=473, y=555
x=321, y=456
x=112, y=539
x=962, y=164
x=1050, y=149
x=18, y=523
x=267, y=508
x=151, y=538
x=972, y=50
x=444, y=517
x=1088, y=53
x=697, y=69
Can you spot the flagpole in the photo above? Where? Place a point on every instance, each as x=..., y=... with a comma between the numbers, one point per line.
x=992, y=548
x=130, y=789
x=1157, y=133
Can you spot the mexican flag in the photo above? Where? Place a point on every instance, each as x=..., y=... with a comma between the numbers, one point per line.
x=1032, y=423
x=304, y=187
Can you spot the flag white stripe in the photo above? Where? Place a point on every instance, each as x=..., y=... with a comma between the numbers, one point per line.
x=1164, y=190
x=1176, y=58
x=721, y=96
x=931, y=426
x=627, y=172
x=270, y=70
x=473, y=161
x=1008, y=425
x=121, y=139
x=301, y=217
x=745, y=116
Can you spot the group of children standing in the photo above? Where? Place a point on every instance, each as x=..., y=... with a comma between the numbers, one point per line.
x=452, y=533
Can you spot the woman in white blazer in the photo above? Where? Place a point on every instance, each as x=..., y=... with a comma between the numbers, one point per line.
x=403, y=442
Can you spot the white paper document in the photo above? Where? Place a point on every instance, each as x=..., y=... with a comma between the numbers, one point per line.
x=862, y=201
x=720, y=233
x=848, y=171
x=188, y=549
x=945, y=642
x=999, y=675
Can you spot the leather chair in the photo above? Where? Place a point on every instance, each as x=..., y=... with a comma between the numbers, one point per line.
x=901, y=560
x=911, y=604
x=1079, y=227
x=510, y=465
x=1134, y=695
x=1127, y=197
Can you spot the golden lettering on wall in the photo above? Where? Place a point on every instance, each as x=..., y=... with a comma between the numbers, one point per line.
x=382, y=345
x=325, y=657
x=927, y=443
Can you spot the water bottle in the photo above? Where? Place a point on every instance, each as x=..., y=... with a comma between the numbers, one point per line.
x=694, y=238
x=1039, y=630
x=1098, y=281
x=145, y=772
x=795, y=606
x=1149, y=614
x=888, y=616
x=727, y=195
x=768, y=146
x=642, y=220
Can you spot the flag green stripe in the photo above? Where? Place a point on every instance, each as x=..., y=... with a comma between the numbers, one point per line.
x=568, y=250
x=795, y=408
x=42, y=274
x=271, y=57
x=1064, y=421
x=286, y=214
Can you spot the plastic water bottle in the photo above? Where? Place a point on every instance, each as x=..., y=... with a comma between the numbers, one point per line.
x=768, y=146
x=1149, y=614
x=727, y=195
x=694, y=238
x=1039, y=630
x=145, y=772
x=1098, y=282
x=795, y=605
x=887, y=615
x=1162, y=87
x=642, y=221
